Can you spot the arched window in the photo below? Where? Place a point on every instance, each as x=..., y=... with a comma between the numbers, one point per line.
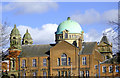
x=64, y=59
x=14, y=37
x=66, y=35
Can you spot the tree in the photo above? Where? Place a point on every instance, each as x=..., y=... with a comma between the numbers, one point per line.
x=4, y=35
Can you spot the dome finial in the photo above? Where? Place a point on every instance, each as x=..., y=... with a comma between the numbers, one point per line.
x=27, y=31
x=14, y=25
x=68, y=18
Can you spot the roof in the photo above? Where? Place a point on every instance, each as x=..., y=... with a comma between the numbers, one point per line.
x=114, y=60
x=104, y=39
x=70, y=25
x=35, y=50
x=88, y=47
x=15, y=31
x=27, y=35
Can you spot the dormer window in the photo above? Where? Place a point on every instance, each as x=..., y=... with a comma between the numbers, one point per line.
x=66, y=35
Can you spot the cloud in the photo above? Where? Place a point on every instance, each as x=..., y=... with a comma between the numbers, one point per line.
x=111, y=15
x=43, y=35
x=93, y=35
x=112, y=37
x=29, y=7
x=92, y=16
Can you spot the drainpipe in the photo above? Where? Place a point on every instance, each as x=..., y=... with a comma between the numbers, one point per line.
x=99, y=68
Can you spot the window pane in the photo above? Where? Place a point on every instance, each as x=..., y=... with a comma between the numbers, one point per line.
x=58, y=73
x=44, y=62
x=34, y=62
x=82, y=73
x=64, y=59
x=62, y=73
x=24, y=63
x=44, y=73
x=69, y=60
x=104, y=69
x=65, y=73
x=69, y=73
x=87, y=73
x=110, y=69
x=95, y=66
x=83, y=60
x=34, y=74
x=66, y=35
x=117, y=68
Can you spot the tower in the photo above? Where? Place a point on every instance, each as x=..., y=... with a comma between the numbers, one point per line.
x=105, y=47
x=14, y=51
x=15, y=38
x=27, y=39
x=69, y=31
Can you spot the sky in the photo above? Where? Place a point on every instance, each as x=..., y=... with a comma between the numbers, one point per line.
x=43, y=18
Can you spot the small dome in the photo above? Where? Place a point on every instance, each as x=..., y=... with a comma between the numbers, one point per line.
x=70, y=25
x=15, y=31
x=27, y=35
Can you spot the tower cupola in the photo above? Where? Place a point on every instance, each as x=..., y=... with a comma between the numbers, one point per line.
x=27, y=39
x=15, y=38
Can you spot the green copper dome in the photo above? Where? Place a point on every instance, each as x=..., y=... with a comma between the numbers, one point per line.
x=15, y=31
x=27, y=35
x=70, y=25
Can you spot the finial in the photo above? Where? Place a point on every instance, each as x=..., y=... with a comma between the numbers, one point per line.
x=104, y=34
x=68, y=18
x=14, y=25
x=27, y=31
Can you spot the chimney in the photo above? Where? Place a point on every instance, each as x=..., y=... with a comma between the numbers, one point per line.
x=80, y=43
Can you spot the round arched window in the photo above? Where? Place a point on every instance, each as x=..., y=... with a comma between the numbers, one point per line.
x=64, y=59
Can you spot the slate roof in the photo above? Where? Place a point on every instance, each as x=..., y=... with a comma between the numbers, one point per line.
x=104, y=39
x=114, y=60
x=36, y=50
x=88, y=47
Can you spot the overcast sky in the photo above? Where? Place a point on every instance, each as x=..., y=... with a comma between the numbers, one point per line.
x=43, y=18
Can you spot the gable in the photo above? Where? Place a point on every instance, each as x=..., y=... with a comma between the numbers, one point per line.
x=63, y=45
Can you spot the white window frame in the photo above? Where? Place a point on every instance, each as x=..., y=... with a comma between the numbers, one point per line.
x=87, y=73
x=34, y=62
x=44, y=73
x=116, y=68
x=23, y=63
x=96, y=66
x=58, y=61
x=24, y=74
x=65, y=60
x=66, y=35
x=103, y=69
x=44, y=62
x=69, y=61
x=34, y=74
x=83, y=60
x=110, y=69
x=69, y=73
x=58, y=73
x=82, y=73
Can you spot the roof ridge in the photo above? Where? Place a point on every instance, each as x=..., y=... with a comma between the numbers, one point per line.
x=35, y=44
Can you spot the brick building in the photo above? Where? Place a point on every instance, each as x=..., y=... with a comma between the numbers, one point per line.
x=70, y=56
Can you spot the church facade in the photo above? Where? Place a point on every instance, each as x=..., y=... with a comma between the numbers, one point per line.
x=70, y=56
